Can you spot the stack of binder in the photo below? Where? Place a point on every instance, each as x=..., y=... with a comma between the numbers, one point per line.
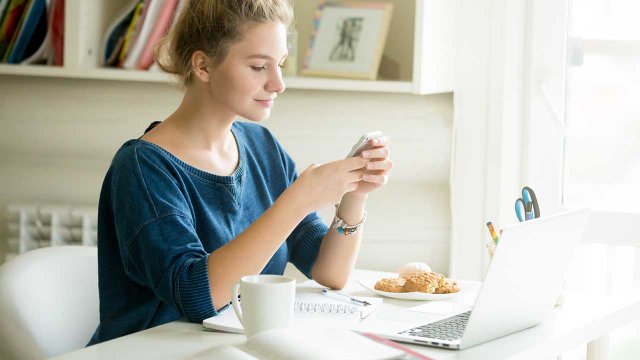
x=31, y=31
x=130, y=39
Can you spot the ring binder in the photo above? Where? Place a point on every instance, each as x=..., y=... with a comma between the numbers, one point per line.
x=324, y=308
x=310, y=307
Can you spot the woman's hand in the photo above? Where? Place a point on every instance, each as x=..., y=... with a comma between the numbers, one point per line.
x=324, y=185
x=378, y=166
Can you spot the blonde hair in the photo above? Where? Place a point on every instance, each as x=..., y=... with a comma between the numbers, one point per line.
x=212, y=26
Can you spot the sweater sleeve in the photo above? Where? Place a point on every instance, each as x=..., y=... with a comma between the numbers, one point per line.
x=166, y=255
x=304, y=243
x=157, y=240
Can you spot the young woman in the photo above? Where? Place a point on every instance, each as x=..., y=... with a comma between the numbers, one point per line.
x=202, y=200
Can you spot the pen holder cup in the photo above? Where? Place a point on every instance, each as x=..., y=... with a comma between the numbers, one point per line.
x=491, y=249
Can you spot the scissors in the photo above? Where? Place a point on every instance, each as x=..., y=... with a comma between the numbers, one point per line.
x=527, y=206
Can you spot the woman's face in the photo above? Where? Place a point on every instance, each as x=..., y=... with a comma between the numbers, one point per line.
x=249, y=79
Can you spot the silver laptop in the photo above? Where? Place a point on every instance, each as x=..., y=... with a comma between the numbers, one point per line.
x=518, y=292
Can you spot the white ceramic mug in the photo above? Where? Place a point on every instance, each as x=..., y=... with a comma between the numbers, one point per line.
x=267, y=302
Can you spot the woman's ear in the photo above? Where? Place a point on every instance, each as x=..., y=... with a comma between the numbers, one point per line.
x=201, y=65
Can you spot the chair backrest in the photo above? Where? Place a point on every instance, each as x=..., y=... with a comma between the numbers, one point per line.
x=49, y=302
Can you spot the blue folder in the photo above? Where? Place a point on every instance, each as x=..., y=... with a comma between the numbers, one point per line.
x=33, y=15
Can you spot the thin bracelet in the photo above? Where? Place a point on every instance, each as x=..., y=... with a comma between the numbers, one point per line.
x=343, y=227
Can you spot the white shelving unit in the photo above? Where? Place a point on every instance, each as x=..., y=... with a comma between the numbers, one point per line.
x=147, y=76
x=424, y=68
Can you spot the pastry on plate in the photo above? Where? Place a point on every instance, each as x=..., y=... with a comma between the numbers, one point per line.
x=425, y=282
x=449, y=286
x=390, y=285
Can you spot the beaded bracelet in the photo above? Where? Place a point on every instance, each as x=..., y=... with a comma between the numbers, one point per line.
x=343, y=227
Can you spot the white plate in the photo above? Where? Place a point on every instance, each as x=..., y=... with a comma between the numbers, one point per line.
x=463, y=285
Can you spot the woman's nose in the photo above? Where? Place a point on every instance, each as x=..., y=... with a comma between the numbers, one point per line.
x=276, y=83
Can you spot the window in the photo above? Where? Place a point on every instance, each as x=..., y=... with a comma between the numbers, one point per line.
x=602, y=146
x=582, y=145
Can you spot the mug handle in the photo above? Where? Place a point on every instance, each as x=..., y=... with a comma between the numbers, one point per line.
x=234, y=301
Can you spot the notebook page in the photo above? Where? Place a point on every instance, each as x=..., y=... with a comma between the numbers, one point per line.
x=306, y=300
x=335, y=306
x=226, y=321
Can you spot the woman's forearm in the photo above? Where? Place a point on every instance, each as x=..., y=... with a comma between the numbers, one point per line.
x=338, y=253
x=250, y=251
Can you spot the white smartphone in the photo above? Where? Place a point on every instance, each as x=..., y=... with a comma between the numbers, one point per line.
x=363, y=144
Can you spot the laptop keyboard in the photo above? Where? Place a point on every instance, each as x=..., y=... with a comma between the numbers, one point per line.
x=450, y=328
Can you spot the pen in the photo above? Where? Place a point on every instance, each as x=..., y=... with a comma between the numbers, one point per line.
x=340, y=296
x=492, y=231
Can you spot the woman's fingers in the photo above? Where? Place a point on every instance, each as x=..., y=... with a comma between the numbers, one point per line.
x=354, y=163
x=381, y=141
x=356, y=175
x=384, y=165
x=376, y=179
x=376, y=153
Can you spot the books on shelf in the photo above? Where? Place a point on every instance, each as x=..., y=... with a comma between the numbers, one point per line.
x=10, y=21
x=146, y=24
x=40, y=44
x=4, y=5
x=145, y=60
x=114, y=38
x=33, y=27
x=56, y=33
x=31, y=31
x=130, y=39
x=132, y=29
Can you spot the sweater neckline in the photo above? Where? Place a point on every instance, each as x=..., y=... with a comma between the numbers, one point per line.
x=233, y=179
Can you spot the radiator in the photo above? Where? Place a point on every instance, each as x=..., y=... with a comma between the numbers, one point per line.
x=32, y=226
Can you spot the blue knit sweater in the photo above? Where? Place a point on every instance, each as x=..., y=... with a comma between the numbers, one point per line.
x=160, y=218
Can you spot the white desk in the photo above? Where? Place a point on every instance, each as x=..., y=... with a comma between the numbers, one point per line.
x=578, y=321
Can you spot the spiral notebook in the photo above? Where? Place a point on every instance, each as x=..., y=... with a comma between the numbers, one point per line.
x=311, y=308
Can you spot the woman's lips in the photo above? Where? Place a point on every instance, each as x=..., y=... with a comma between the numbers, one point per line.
x=266, y=103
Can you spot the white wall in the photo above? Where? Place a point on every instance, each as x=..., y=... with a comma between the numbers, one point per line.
x=57, y=137
x=486, y=176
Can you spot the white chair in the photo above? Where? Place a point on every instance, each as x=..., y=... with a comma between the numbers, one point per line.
x=48, y=302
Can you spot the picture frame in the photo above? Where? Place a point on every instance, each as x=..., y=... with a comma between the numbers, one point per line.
x=348, y=40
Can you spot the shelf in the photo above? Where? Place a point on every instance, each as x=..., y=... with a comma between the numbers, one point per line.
x=92, y=74
x=308, y=83
x=146, y=76
x=419, y=49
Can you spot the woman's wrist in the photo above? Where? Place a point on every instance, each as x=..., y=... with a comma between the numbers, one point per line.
x=355, y=198
x=352, y=207
x=295, y=201
x=344, y=227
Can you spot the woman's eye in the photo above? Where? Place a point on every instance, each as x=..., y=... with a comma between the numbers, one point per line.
x=259, y=68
